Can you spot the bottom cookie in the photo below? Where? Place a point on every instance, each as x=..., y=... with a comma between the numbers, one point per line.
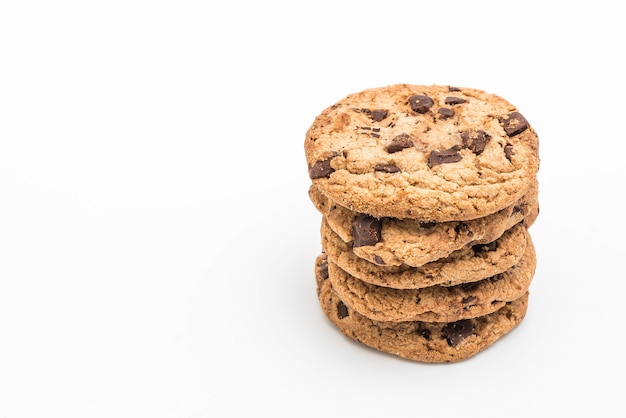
x=430, y=342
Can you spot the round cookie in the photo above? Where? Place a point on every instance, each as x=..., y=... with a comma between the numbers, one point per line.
x=462, y=266
x=435, y=303
x=394, y=242
x=429, y=342
x=433, y=153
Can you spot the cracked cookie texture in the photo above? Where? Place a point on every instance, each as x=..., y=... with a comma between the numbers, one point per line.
x=415, y=243
x=433, y=153
x=435, y=303
x=430, y=342
x=466, y=265
x=426, y=196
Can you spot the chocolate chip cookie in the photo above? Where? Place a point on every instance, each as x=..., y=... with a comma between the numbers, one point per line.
x=430, y=342
x=435, y=303
x=394, y=242
x=433, y=153
x=462, y=266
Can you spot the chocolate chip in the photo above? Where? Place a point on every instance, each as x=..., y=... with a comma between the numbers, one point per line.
x=455, y=332
x=450, y=88
x=483, y=248
x=324, y=270
x=463, y=229
x=445, y=113
x=387, y=168
x=342, y=310
x=515, y=124
x=379, y=260
x=448, y=156
x=321, y=169
x=454, y=100
x=424, y=332
x=377, y=114
x=366, y=230
x=399, y=143
x=475, y=140
x=508, y=151
x=420, y=103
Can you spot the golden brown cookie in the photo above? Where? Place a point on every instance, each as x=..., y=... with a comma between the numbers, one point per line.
x=435, y=303
x=394, y=242
x=430, y=342
x=433, y=153
x=462, y=266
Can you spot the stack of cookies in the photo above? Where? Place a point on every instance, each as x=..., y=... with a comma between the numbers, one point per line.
x=426, y=195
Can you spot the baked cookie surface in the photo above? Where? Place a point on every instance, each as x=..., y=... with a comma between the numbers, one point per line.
x=433, y=153
x=462, y=266
x=435, y=303
x=430, y=342
x=394, y=242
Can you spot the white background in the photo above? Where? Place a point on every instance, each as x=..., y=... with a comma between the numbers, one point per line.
x=156, y=238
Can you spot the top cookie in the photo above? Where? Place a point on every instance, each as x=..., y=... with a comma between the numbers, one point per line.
x=434, y=153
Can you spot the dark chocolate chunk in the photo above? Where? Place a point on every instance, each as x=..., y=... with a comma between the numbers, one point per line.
x=508, y=151
x=371, y=131
x=428, y=225
x=450, y=88
x=445, y=113
x=455, y=332
x=454, y=100
x=324, y=270
x=475, y=140
x=387, y=168
x=342, y=310
x=399, y=143
x=515, y=124
x=379, y=260
x=447, y=156
x=377, y=114
x=463, y=229
x=420, y=103
x=366, y=230
x=424, y=332
x=321, y=169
